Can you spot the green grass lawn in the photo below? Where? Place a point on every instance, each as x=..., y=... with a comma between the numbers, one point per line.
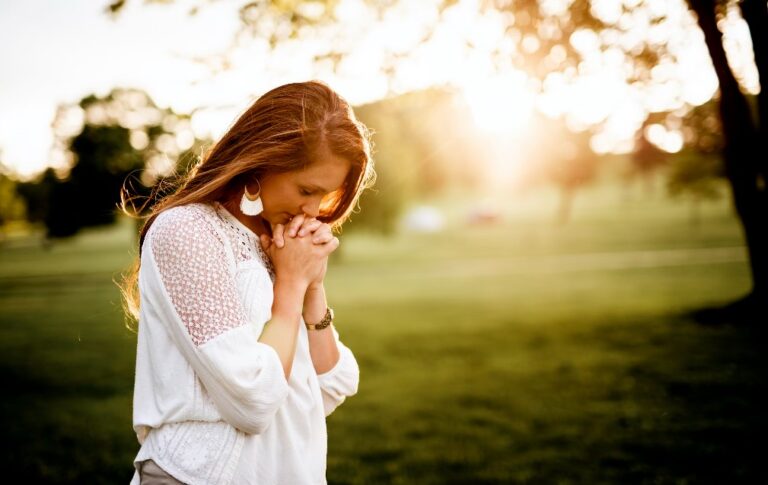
x=517, y=352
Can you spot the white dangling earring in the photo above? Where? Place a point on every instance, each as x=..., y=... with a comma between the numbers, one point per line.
x=251, y=205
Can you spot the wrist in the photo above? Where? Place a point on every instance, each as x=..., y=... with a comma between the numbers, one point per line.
x=315, y=286
x=291, y=284
x=324, y=323
x=288, y=298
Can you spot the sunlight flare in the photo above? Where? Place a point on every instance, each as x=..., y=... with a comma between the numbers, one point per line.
x=502, y=104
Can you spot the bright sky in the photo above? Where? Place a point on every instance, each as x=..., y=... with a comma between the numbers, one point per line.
x=58, y=52
x=55, y=52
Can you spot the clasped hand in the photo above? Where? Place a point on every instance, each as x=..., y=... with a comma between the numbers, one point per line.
x=300, y=249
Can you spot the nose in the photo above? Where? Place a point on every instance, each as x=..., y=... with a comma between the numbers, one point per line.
x=312, y=208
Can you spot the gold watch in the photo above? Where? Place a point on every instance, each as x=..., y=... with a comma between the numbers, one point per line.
x=327, y=320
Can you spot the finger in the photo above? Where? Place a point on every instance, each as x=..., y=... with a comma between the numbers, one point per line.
x=322, y=239
x=332, y=245
x=322, y=236
x=294, y=225
x=310, y=226
x=277, y=235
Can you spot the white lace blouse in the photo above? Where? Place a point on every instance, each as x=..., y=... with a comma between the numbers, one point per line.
x=211, y=403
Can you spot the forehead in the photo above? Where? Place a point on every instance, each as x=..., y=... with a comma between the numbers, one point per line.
x=327, y=171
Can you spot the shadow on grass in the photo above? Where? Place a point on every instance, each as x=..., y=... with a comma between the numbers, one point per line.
x=748, y=311
x=651, y=400
x=702, y=396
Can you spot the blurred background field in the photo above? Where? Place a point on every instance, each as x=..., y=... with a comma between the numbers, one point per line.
x=517, y=351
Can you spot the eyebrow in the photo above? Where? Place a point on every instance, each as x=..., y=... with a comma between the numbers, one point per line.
x=316, y=187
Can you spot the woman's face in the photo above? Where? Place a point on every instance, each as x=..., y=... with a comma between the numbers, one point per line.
x=285, y=195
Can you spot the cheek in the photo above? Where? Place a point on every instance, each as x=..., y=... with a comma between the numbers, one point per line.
x=273, y=196
x=277, y=202
x=280, y=195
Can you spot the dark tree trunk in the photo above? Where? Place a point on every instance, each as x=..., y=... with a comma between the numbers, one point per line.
x=755, y=13
x=744, y=155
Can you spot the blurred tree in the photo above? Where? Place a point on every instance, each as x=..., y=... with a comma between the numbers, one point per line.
x=647, y=158
x=421, y=148
x=106, y=141
x=702, y=131
x=697, y=172
x=697, y=177
x=36, y=194
x=12, y=206
x=563, y=157
x=572, y=167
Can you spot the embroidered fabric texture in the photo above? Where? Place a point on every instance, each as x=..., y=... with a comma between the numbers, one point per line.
x=245, y=243
x=186, y=450
x=190, y=256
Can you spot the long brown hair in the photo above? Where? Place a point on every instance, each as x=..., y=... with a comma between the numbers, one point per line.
x=282, y=131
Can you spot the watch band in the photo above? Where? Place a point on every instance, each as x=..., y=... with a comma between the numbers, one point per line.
x=327, y=320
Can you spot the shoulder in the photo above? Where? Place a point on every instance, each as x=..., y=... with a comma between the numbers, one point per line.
x=187, y=213
x=193, y=221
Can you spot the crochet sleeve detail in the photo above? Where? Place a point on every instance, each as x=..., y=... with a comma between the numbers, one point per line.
x=192, y=263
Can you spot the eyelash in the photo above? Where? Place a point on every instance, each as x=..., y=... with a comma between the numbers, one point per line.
x=305, y=192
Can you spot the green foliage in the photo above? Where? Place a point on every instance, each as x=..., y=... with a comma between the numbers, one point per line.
x=12, y=206
x=89, y=195
x=696, y=175
x=697, y=171
x=702, y=128
x=37, y=194
x=108, y=140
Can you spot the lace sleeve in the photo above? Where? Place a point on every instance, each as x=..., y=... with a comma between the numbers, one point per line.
x=191, y=260
x=206, y=319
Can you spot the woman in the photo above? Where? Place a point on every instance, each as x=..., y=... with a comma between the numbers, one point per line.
x=238, y=362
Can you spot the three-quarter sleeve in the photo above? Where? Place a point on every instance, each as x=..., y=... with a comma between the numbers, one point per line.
x=197, y=297
x=341, y=380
